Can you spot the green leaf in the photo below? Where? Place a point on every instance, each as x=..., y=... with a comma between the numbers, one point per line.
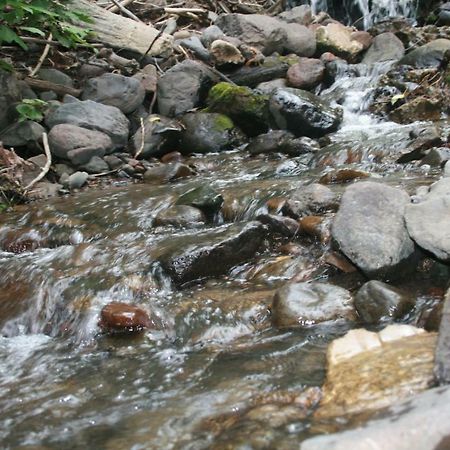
x=9, y=36
x=6, y=66
x=33, y=30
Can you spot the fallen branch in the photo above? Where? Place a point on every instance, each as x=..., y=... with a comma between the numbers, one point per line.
x=43, y=85
x=48, y=163
x=115, y=8
x=141, y=148
x=181, y=11
x=126, y=11
x=33, y=40
x=43, y=56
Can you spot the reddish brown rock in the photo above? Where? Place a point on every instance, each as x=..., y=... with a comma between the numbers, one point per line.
x=317, y=227
x=275, y=204
x=343, y=176
x=119, y=317
x=306, y=74
x=172, y=157
x=363, y=37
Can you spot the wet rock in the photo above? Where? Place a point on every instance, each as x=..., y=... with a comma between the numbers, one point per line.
x=436, y=157
x=340, y=262
x=377, y=302
x=203, y=197
x=305, y=304
x=167, y=172
x=336, y=38
x=311, y=199
x=267, y=87
x=161, y=135
x=303, y=113
x=413, y=424
x=148, y=77
x=10, y=94
x=281, y=141
x=119, y=317
x=263, y=32
x=442, y=356
x=180, y=216
x=300, y=40
x=369, y=229
x=385, y=47
x=184, y=87
x=95, y=165
x=212, y=253
x=26, y=133
x=363, y=37
x=422, y=139
x=194, y=44
x=55, y=76
x=209, y=132
x=428, y=55
x=77, y=144
x=419, y=108
x=125, y=93
x=246, y=108
x=225, y=54
x=368, y=371
x=93, y=116
x=428, y=221
x=77, y=180
x=211, y=34
x=316, y=227
x=280, y=225
x=343, y=176
x=300, y=14
x=306, y=74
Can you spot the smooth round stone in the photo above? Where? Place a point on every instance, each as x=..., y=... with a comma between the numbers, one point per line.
x=180, y=216
x=119, y=317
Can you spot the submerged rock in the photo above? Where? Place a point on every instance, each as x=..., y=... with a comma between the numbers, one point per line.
x=212, y=253
x=180, y=216
x=304, y=113
x=368, y=371
x=305, y=304
x=203, y=197
x=442, y=356
x=209, y=132
x=377, y=302
x=119, y=317
x=428, y=221
x=369, y=229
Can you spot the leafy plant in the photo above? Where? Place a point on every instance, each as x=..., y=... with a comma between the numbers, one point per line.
x=31, y=109
x=38, y=17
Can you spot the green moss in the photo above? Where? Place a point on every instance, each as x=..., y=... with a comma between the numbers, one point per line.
x=222, y=123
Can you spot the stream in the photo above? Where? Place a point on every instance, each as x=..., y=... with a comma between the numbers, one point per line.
x=190, y=383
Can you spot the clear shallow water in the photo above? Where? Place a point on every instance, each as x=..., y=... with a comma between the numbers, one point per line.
x=216, y=374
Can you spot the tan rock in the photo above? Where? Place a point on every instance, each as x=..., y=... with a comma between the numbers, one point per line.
x=337, y=39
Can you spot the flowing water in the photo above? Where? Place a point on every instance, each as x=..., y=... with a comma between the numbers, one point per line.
x=215, y=374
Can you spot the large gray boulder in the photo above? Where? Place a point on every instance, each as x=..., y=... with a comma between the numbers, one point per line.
x=125, y=93
x=369, y=229
x=209, y=132
x=303, y=113
x=78, y=145
x=428, y=221
x=93, y=116
x=415, y=424
x=306, y=304
x=184, y=87
x=385, y=47
x=428, y=55
x=211, y=253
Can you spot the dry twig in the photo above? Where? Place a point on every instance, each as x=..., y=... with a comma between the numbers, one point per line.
x=43, y=56
x=141, y=148
x=48, y=163
x=126, y=11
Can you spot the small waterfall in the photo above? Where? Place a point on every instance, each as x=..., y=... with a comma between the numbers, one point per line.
x=366, y=12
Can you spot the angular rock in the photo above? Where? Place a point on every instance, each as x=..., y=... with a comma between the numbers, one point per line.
x=180, y=216
x=300, y=40
x=117, y=317
x=184, y=87
x=95, y=165
x=428, y=221
x=161, y=135
x=299, y=14
x=368, y=371
x=203, y=197
x=428, y=55
x=19, y=134
x=209, y=132
x=363, y=37
x=212, y=253
x=421, y=108
x=336, y=38
x=246, y=108
x=303, y=113
x=385, y=47
x=148, y=77
x=93, y=116
x=413, y=424
x=267, y=87
x=211, y=34
x=263, y=32
x=306, y=304
x=55, y=76
x=306, y=74
x=369, y=229
x=378, y=302
x=78, y=145
x=125, y=93
x=195, y=45
x=225, y=54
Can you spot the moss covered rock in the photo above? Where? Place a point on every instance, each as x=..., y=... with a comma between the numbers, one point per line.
x=249, y=110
